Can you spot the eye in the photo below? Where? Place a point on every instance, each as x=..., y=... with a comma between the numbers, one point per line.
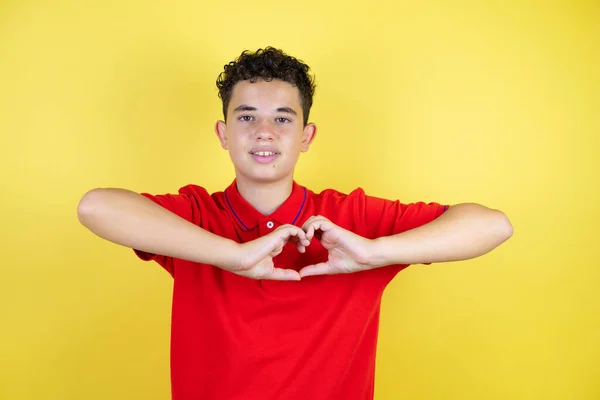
x=282, y=120
x=245, y=118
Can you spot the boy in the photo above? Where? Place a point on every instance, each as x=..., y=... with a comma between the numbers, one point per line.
x=254, y=317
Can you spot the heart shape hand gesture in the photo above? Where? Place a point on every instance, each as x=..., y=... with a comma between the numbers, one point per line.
x=347, y=251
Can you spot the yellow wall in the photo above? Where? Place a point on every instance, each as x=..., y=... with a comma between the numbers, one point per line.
x=496, y=104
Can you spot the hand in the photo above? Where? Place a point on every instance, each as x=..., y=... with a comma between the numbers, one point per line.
x=255, y=258
x=348, y=252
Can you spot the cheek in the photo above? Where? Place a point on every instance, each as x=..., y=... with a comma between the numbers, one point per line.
x=293, y=136
x=236, y=139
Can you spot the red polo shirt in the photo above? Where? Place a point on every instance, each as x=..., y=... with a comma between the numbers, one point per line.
x=237, y=338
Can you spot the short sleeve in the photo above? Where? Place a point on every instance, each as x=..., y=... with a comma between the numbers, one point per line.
x=184, y=205
x=386, y=217
x=382, y=217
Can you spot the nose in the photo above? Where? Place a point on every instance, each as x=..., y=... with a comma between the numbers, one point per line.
x=265, y=130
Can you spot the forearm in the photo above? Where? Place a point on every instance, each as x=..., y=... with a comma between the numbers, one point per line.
x=129, y=219
x=464, y=231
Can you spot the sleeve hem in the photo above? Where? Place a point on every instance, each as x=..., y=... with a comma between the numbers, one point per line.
x=144, y=256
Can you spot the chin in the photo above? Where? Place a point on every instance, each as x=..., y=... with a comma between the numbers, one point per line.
x=265, y=176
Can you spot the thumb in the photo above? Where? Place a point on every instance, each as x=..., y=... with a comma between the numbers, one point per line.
x=315, y=269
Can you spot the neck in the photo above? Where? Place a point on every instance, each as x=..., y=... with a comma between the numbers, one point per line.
x=266, y=197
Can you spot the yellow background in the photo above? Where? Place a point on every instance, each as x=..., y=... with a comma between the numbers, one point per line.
x=488, y=102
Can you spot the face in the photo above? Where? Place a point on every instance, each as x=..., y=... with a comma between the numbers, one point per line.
x=264, y=133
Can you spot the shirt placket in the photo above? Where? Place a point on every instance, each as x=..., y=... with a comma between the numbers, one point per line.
x=266, y=225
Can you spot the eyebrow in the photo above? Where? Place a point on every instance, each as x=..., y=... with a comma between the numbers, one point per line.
x=287, y=110
x=245, y=107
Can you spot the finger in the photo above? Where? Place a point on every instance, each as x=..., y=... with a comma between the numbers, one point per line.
x=306, y=227
x=324, y=225
x=315, y=269
x=291, y=231
x=281, y=274
x=316, y=223
x=301, y=242
x=310, y=231
x=299, y=235
x=301, y=247
x=315, y=218
x=310, y=226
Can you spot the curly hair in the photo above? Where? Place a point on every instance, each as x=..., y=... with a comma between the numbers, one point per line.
x=267, y=64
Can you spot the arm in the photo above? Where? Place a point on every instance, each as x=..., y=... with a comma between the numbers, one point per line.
x=129, y=219
x=464, y=231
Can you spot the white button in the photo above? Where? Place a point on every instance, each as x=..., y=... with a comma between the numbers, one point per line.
x=270, y=224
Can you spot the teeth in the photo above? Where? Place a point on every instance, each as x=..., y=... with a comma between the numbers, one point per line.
x=264, y=153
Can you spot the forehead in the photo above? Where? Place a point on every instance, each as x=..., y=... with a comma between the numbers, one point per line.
x=265, y=95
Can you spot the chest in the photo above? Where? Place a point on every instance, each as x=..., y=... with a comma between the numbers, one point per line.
x=232, y=303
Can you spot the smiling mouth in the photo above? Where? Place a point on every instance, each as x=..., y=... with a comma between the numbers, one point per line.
x=264, y=153
x=264, y=157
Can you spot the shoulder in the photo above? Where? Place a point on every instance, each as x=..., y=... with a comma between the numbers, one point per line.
x=200, y=192
x=335, y=201
x=337, y=195
x=195, y=196
x=193, y=190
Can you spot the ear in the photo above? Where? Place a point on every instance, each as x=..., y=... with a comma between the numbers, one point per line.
x=308, y=135
x=221, y=131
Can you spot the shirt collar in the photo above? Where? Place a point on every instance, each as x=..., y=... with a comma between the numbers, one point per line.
x=248, y=217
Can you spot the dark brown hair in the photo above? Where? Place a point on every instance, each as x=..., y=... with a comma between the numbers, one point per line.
x=267, y=64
